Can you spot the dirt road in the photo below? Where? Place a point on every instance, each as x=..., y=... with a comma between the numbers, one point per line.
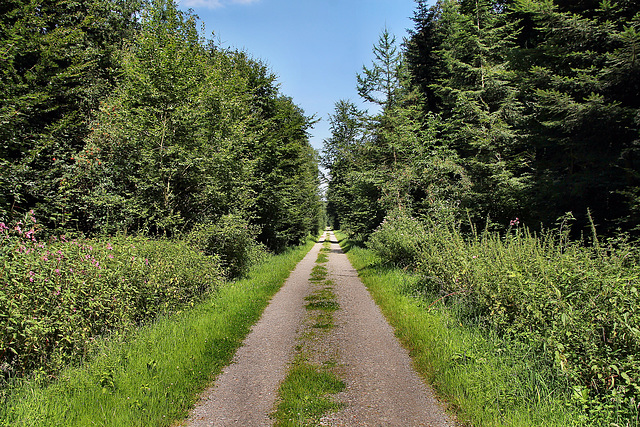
x=382, y=387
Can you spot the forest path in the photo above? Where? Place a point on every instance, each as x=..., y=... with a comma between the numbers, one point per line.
x=382, y=388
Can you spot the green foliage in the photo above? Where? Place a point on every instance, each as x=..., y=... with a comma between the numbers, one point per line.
x=59, y=59
x=576, y=307
x=59, y=295
x=232, y=240
x=122, y=118
x=487, y=380
x=380, y=83
x=398, y=239
x=156, y=375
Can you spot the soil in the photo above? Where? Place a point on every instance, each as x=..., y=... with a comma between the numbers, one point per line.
x=382, y=388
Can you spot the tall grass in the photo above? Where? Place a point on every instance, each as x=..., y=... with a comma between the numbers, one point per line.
x=154, y=377
x=571, y=308
x=485, y=380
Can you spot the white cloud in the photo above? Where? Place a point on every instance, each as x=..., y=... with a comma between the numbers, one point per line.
x=214, y=4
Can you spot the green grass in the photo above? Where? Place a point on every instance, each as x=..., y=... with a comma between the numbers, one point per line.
x=485, y=381
x=305, y=393
x=318, y=273
x=155, y=377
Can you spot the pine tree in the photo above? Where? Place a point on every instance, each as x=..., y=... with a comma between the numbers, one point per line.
x=481, y=106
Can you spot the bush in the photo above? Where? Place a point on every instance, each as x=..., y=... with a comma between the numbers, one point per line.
x=56, y=297
x=399, y=239
x=575, y=306
x=232, y=239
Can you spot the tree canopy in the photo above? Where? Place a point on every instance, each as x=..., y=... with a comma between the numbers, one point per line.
x=501, y=109
x=118, y=115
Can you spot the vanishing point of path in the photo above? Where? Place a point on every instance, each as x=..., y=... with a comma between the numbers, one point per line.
x=382, y=388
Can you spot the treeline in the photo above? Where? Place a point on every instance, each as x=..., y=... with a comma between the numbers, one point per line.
x=118, y=116
x=506, y=131
x=496, y=109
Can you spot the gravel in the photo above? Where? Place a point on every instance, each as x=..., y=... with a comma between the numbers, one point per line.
x=382, y=389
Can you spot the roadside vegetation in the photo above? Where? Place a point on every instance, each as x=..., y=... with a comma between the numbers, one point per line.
x=512, y=330
x=499, y=170
x=143, y=170
x=151, y=375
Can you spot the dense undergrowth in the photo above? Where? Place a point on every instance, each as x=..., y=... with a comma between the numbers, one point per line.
x=58, y=295
x=153, y=374
x=572, y=308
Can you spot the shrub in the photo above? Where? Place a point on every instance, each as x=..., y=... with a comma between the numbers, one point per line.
x=56, y=297
x=232, y=239
x=575, y=306
x=399, y=239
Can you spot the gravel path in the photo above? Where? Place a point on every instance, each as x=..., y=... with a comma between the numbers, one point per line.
x=382, y=389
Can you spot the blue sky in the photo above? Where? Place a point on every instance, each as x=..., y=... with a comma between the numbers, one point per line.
x=314, y=47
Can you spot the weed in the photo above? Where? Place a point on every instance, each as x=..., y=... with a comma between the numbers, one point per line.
x=487, y=379
x=154, y=375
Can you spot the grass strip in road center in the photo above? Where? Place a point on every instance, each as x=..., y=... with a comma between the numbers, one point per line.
x=305, y=393
x=154, y=378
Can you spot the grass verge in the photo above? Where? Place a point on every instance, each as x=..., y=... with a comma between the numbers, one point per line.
x=486, y=381
x=155, y=377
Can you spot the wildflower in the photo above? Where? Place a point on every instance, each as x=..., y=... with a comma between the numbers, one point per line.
x=514, y=222
x=3, y=226
x=109, y=247
x=57, y=271
x=110, y=256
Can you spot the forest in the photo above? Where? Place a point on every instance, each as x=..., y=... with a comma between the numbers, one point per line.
x=501, y=168
x=501, y=109
x=143, y=165
x=118, y=116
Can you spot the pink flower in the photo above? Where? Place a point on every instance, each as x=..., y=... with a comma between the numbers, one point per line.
x=109, y=246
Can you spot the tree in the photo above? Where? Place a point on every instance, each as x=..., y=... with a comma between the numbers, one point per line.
x=584, y=95
x=379, y=84
x=59, y=58
x=480, y=103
